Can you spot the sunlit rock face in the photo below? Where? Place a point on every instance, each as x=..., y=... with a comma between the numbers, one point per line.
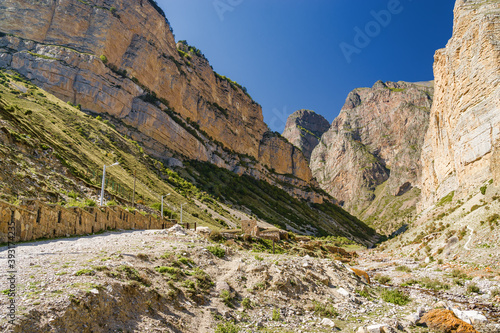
x=459, y=150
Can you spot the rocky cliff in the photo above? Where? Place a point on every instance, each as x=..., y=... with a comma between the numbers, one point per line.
x=369, y=159
x=458, y=153
x=119, y=59
x=304, y=129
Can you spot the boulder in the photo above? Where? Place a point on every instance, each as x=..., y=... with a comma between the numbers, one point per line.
x=328, y=322
x=446, y=321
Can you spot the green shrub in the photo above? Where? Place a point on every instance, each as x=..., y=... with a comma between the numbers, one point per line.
x=446, y=199
x=166, y=269
x=186, y=261
x=259, y=286
x=483, y=189
x=90, y=203
x=132, y=274
x=410, y=282
x=382, y=279
x=433, y=284
x=217, y=251
x=226, y=298
x=493, y=218
x=104, y=59
x=473, y=208
x=85, y=271
x=403, y=268
x=203, y=280
x=227, y=327
x=174, y=272
x=395, y=297
x=323, y=310
x=258, y=258
x=246, y=303
x=363, y=292
x=457, y=273
x=215, y=236
x=276, y=315
x=188, y=284
x=473, y=288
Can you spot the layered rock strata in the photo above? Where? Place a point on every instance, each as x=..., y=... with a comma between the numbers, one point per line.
x=119, y=59
x=458, y=153
x=370, y=156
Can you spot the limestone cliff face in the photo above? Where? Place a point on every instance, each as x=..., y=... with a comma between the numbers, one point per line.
x=369, y=157
x=275, y=146
x=119, y=58
x=458, y=153
x=304, y=129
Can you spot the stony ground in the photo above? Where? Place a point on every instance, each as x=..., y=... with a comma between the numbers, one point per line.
x=471, y=293
x=177, y=281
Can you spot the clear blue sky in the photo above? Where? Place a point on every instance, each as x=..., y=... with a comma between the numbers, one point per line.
x=293, y=54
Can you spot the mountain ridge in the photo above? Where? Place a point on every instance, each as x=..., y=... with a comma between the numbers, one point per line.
x=98, y=55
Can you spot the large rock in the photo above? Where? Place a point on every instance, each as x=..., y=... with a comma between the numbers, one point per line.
x=120, y=58
x=458, y=153
x=445, y=321
x=369, y=158
x=304, y=129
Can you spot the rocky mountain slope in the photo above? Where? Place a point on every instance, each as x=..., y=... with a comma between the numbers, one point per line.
x=54, y=151
x=460, y=148
x=304, y=129
x=119, y=59
x=369, y=159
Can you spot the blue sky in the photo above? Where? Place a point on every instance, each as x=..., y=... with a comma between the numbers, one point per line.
x=310, y=54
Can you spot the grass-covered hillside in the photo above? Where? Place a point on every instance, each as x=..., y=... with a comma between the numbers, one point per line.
x=51, y=150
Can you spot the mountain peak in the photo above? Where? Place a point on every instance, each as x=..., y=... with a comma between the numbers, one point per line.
x=304, y=129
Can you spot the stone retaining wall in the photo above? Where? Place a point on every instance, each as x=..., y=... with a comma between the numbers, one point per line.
x=34, y=219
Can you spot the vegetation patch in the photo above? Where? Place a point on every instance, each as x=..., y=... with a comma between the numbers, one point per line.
x=395, y=297
x=446, y=199
x=217, y=251
x=325, y=310
x=85, y=271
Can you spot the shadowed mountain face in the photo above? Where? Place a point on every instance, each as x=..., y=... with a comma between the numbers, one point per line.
x=304, y=129
x=369, y=159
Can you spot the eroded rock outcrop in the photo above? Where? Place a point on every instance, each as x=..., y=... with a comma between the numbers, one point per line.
x=119, y=59
x=304, y=129
x=458, y=153
x=369, y=159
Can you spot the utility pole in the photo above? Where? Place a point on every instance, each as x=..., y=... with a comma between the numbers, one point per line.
x=162, y=204
x=133, y=193
x=181, y=210
x=104, y=182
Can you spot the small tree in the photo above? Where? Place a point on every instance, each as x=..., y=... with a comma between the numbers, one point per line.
x=104, y=59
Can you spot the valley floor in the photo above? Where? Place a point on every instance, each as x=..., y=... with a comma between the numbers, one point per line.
x=178, y=281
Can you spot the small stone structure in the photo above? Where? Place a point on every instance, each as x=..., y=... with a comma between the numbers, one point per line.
x=33, y=219
x=252, y=228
